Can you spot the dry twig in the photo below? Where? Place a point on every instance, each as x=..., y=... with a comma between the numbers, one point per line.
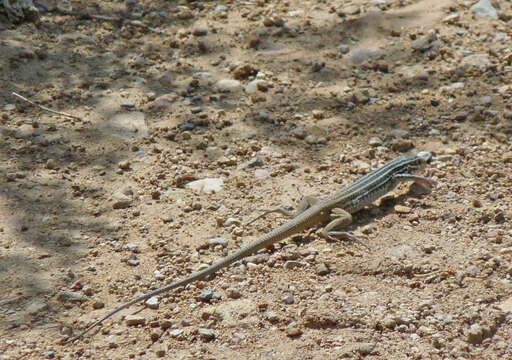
x=45, y=108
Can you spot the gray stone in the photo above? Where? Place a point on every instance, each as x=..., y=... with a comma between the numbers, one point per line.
x=361, y=55
x=153, y=302
x=219, y=241
x=71, y=296
x=36, y=306
x=206, y=334
x=132, y=320
x=208, y=185
x=120, y=200
x=484, y=8
x=229, y=85
x=343, y=48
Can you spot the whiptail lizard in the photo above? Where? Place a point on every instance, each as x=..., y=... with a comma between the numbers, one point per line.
x=335, y=209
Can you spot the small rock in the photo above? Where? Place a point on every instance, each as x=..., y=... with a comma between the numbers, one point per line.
x=506, y=306
x=375, y=142
x=343, y=48
x=98, y=304
x=175, y=333
x=25, y=131
x=233, y=293
x=166, y=323
x=51, y=164
x=271, y=316
x=219, y=241
x=299, y=132
x=160, y=352
x=292, y=264
x=402, y=145
x=134, y=248
x=484, y=8
x=206, y=334
x=153, y=302
x=36, y=307
x=124, y=165
x=256, y=85
x=322, y=270
x=132, y=320
x=199, y=32
x=162, y=103
x=244, y=71
x=362, y=55
x=293, y=331
x=219, y=9
x=208, y=185
x=361, y=97
x=401, y=209
x=133, y=262
x=206, y=296
x=288, y=299
x=475, y=334
x=262, y=115
x=121, y=201
x=399, y=133
x=318, y=114
x=71, y=296
x=366, y=348
x=228, y=85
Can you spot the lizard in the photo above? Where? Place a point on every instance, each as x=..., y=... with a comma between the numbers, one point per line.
x=336, y=210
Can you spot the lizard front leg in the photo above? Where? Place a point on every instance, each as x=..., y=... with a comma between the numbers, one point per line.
x=340, y=219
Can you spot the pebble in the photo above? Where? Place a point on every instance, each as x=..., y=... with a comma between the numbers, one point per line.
x=292, y=264
x=361, y=55
x=484, y=8
x=343, y=48
x=288, y=300
x=153, y=302
x=124, y=165
x=175, y=333
x=256, y=85
x=271, y=316
x=162, y=103
x=299, y=132
x=322, y=270
x=208, y=185
x=229, y=85
x=401, y=209
x=219, y=241
x=375, y=142
x=206, y=334
x=120, y=200
x=71, y=296
x=206, y=296
x=366, y=348
x=98, y=304
x=219, y=9
x=25, y=131
x=132, y=320
x=199, y=32
x=36, y=307
x=134, y=248
x=475, y=334
x=233, y=293
x=293, y=330
x=262, y=115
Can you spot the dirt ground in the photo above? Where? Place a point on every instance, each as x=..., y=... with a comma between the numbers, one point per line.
x=276, y=100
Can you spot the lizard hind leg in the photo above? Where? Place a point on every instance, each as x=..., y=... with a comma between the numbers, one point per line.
x=304, y=204
x=340, y=219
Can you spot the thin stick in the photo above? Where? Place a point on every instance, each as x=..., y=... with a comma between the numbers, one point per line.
x=45, y=108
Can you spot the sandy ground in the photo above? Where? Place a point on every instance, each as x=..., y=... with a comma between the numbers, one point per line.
x=278, y=99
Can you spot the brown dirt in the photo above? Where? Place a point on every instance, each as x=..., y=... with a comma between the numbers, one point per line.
x=436, y=283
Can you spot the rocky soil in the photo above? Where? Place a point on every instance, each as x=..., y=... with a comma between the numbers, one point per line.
x=193, y=116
